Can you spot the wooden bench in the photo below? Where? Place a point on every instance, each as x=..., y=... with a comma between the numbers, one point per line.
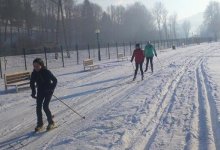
x=121, y=57
x=88, y=63
x=17, y=79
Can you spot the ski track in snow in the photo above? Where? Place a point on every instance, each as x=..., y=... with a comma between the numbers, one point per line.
x=177, y=107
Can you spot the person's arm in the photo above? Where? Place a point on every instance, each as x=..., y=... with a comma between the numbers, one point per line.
x=53, y=79
x=132, y=58
x=32, y=85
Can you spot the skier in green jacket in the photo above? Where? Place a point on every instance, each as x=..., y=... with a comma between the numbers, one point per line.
x=149, y=53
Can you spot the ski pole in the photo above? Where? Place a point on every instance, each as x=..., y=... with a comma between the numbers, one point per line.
x=133, y=65
x=69, y=107
x=159, y=62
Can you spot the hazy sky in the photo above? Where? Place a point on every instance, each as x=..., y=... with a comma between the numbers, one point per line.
x=184, y=8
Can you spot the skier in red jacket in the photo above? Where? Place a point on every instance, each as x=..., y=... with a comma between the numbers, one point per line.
x=138, y=54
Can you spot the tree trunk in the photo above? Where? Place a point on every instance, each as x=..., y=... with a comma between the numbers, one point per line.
x=11, y=34
x=6, y=26
x=0, y=35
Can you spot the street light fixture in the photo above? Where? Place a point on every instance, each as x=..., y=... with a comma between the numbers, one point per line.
x=97, y=31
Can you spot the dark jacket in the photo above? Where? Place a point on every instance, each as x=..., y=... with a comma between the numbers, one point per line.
x=44, y=80
x=138, y=54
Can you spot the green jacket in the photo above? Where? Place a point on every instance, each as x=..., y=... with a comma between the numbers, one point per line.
x=149, y=51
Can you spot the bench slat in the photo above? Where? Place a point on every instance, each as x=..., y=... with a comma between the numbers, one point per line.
x=17, y=77
x=17, y=74
x=18, y=83
x=17, y=80
x=20, y=75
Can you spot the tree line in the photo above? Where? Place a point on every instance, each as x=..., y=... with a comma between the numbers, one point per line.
x=34, y=23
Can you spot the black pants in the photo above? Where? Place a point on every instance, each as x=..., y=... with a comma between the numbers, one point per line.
x=151, y=63
x=137, y=67
x=43, y=99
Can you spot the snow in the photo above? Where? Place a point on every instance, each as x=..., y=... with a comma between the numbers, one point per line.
x=176, y=107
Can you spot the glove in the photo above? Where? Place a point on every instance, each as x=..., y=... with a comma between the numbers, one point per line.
x=50, y=92
x=131, y=61
x=33, y=95
x=156, y=55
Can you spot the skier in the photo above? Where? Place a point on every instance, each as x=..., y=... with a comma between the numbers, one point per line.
x=149, y=53
x=45, y=83
x=138, y=54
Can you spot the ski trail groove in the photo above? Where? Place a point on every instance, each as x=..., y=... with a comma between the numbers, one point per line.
x=205, y=127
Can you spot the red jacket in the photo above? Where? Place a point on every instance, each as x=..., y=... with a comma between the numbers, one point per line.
x=139, y=56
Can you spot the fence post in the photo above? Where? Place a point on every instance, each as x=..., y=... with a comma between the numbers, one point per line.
x=25, y=61
x=171, y=43
x=61, y=48
x=164, y=44
x=158, y=44
x=5, y=61
x=109, y=55
x=142, y=45
x=45, y=53
x=130, y=48
x=77, y=53
x=154, y=44
x=1, y=67
x=124, y=47
x=117, y=49
x=89, y=51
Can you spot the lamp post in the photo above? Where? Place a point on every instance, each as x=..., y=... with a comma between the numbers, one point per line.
x=97, y=31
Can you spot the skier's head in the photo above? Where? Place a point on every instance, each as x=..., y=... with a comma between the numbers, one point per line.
x=38, y=64
x=148, y=42
x=137, y=46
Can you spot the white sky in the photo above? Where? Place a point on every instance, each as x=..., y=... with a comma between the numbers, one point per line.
x=184, y=8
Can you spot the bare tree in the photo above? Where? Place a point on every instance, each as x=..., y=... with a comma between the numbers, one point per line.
x=138, y=23
x=186, y=28
x=165, y=24
x=173, y=25
x=212, y=18
x=158, y=12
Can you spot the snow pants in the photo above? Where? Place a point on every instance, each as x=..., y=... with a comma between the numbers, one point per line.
x=43, y=99
x=149, y=59
x=137, y=67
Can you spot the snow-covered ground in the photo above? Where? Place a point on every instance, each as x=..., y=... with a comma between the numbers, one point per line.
x=176, y=107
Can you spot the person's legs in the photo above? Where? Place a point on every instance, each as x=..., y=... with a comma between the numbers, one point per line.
x=147, y=62
x=136, y=70
x=39, y=101
x=142, y=73
x=46, y=108
x=141, y=68
x=151, y=63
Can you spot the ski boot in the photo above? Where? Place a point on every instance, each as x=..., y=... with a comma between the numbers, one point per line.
x=39, y=128
x=134, y=78
x=142, y=77
x=51, y=126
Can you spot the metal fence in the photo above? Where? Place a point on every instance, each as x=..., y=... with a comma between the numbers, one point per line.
x=56, y=57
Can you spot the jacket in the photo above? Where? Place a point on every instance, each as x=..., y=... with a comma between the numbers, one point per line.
x=44, y=80
x=138, y=54
x=149, y=51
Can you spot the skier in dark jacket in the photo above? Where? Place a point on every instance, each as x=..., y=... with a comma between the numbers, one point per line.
x=45, y=82
x=149, y=53
x=138, y=54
